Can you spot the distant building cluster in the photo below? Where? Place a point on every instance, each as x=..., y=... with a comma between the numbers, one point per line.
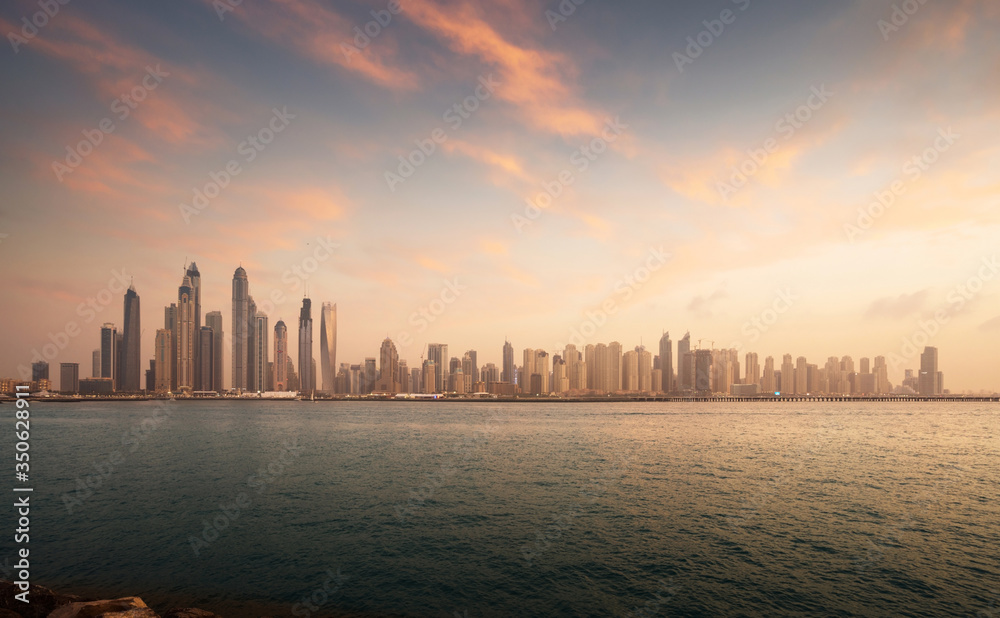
x=188, y=360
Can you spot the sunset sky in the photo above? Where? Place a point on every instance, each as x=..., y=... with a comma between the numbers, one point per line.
x=925, y=85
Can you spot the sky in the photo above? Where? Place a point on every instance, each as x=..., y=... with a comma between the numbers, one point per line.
x=808, y=178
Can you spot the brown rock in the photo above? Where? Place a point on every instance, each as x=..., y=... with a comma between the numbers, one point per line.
x=132, y=613
x=190, y=612
x=43, y=600
x=98, y=609
x=9, y=613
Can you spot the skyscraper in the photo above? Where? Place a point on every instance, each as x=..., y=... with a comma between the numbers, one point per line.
x=388, y=368
x=614, y=366
x=251, y=344
x=645, y=369
x=240, y=326
x=438, y=352
x=95, y=371
x=131, y=336
x=185, y=336
x=703, y=371
x=213, y=320
x=598, y=367
x=752, y=369
x=69, y=378
x=470, y=365
x=119, y=362
x=260, y=355
x=787, y=375
x=170, y=324
x=508, y=363
x=328, y=346
x=666, y=364
x=109, y=336
x=195, y=277
x=280, y=356
x=801, y=375
x=685, y=378
x=769, y=384
x=630, y=371
x=306, y=385
x=927, y=380
x=206, y=364
x=162, y=357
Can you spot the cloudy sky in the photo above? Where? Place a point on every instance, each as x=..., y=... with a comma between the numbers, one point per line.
x=573, y=160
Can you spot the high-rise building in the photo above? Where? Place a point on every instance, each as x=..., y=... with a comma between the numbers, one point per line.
x=213, y=319
x=685, y=378
x=241, y=328
x=388, y=368
x=666, y=364
x=598, y=367
x=109, y=337
x=928, y=379
x=280, y=356
x=186, y=336
x=541, y=368
x=39, y=371
x=369, y=374
x=590, y=362
x=206, y=354
x=69, y=378
x=260, y=356
x=614, y=367
x=801, y=376
x=131, y=336
x=560, y=381
x=507, y=376
x=328, y=346
x=768, y=383
x=490, y=374
x=703, y=371
x=251, y=344
x=752, y=369
x=470, y=365
x=573, y=359
x=403, y=377
x=95, y=359
x=170, y=324
x=438, y=352
x=881, y=376
x=645, y=370
x=630, y=371
x=787, y=375
x=195, y=280
x=119, y=361
x=163, y=357
x=429, y=377
x=306, y=383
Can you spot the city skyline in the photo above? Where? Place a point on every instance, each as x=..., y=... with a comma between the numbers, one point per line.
x=554, y=161
x=582, y=366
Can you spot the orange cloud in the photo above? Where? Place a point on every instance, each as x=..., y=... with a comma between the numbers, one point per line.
x=531, y=79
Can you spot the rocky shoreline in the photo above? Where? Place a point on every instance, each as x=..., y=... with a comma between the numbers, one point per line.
x=48, y=604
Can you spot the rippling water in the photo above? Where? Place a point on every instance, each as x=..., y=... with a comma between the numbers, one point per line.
x=478, y=509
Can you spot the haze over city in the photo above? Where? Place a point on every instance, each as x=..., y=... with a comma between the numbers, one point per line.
x=515, y=169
